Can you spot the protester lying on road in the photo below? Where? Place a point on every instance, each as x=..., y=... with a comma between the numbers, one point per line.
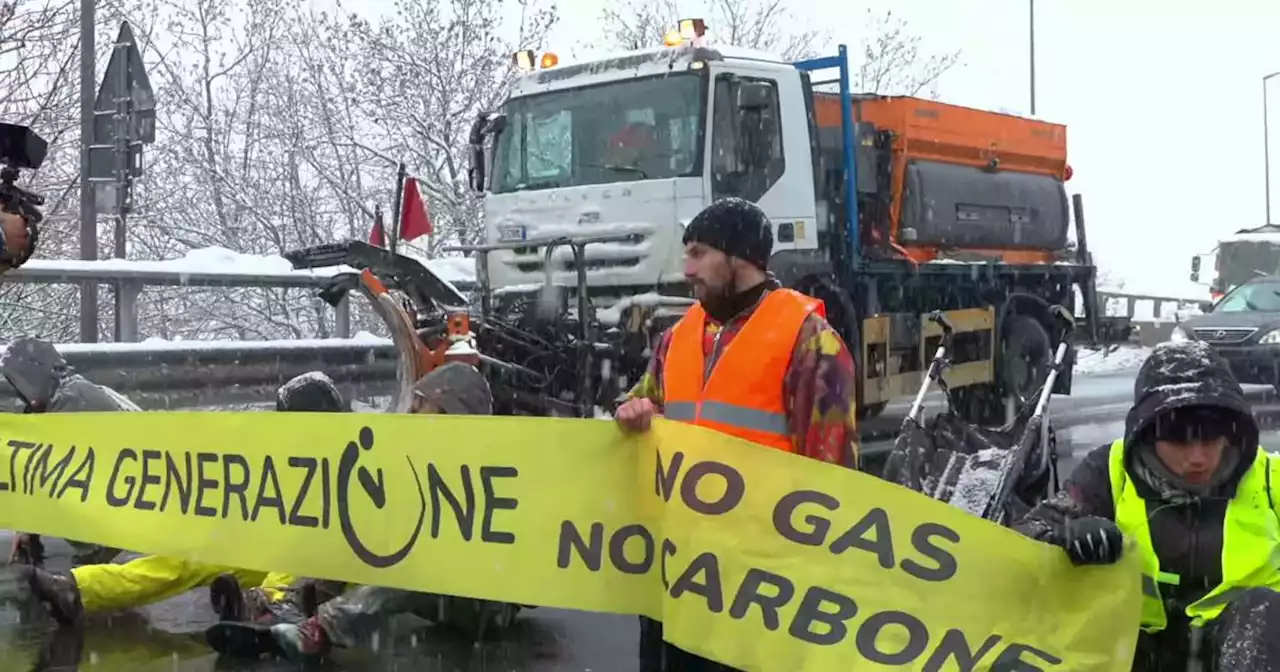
x=1190, y=486
x=353, y=617
x=149, y=579
x=266, y=602
x=45, y=383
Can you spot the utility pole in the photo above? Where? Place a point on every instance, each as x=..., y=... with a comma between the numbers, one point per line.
x=88, y=214
x=1266, y=144
x=1033, y=56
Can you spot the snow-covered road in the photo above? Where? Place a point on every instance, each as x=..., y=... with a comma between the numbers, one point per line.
x=1103, y=361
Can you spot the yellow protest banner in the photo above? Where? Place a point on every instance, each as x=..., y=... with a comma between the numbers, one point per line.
x=760, y=559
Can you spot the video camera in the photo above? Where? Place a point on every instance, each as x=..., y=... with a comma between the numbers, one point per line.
x=20, y=148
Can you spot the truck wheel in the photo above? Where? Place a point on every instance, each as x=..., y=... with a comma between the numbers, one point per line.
x=1022, y=360
x=1024, y=357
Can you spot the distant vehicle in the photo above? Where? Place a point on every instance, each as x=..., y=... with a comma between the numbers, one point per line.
x=1248, y=254
x=1244, y=327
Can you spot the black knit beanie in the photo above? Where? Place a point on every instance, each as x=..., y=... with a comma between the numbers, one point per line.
x=735, y=226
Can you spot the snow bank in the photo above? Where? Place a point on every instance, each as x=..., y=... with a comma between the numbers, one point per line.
x=221, y=261
x=1124, y=358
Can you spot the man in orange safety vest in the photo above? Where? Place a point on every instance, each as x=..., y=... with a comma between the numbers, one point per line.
x=750, y=359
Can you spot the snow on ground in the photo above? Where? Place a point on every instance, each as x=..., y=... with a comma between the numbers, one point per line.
x=1101, y=361
x=221, y=261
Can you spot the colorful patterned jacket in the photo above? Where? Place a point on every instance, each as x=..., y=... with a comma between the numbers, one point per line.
x=820, y=385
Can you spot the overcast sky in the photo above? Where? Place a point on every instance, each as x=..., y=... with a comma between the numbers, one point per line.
x=1162, y=102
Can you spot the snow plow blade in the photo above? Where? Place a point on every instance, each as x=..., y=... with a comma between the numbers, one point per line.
x=426, y=289
x=381, y=271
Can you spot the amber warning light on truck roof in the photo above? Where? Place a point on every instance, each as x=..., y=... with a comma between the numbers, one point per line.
x=687, y=30
x=525, y=60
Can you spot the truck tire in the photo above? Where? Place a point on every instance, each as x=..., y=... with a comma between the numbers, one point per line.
x=1024, y=342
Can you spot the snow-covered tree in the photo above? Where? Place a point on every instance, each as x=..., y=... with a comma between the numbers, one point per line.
x=893, y=59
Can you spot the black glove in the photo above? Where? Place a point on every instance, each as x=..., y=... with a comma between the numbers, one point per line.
x=1093, y=541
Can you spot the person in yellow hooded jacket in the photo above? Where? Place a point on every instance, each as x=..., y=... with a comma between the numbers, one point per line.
x=1189, y=490
x=107, y=587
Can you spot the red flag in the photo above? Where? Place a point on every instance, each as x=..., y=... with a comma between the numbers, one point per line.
x=414, y=221
x=377, y=237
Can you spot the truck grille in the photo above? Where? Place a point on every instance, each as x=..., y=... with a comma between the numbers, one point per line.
x=1224, y=334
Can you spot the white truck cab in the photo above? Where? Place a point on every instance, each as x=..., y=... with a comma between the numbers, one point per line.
x=638, y=144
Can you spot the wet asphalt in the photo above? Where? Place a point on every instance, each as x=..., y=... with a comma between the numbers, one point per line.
x=168, y=636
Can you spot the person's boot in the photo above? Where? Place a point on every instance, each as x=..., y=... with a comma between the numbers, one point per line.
x=301, y=641
x=58, y=592
x=304, y=641
x=227, y=598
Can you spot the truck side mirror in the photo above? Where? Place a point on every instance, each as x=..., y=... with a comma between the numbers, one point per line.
x=1206, y=306
x=483, y=126
x=475, y=173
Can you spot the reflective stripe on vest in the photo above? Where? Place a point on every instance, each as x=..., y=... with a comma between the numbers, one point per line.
x=742, y=393
x=1250, y=541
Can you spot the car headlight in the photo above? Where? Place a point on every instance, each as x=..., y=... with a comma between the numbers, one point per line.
x=1270, y=338
x=1179, y=335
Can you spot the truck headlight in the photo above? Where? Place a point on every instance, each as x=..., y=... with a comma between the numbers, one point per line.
x=1270, y=338
x=1179, y=335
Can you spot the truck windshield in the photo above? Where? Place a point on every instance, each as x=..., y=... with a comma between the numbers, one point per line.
x=1255, y=297
x=640, y=129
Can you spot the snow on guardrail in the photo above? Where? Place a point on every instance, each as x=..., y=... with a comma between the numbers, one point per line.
x=221, y=261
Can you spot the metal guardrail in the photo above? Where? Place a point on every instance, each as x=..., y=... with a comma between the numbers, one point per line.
x=130, y=278
x=128, y=282
x=203, y=374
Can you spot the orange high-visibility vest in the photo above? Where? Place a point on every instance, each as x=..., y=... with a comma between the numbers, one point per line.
x=740, y=392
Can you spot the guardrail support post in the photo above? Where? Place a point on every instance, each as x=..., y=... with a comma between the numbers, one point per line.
x=342, y=318
x=126, y=328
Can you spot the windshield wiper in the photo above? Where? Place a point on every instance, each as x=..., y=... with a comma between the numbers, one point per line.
x=628, y=169
x=621, y=168
x=545, y=184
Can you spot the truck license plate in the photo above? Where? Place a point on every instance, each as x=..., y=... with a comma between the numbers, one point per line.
x=511, y=234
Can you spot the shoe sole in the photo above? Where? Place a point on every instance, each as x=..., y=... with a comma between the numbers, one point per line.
x=242, y=640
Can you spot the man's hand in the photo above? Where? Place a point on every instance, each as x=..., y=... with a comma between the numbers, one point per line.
x=16, y=237
x=636, y=414
x=1093, y=541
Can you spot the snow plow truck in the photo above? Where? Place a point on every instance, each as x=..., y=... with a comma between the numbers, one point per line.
x=886, y=208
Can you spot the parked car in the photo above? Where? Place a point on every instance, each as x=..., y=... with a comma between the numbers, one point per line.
x=1244, y=327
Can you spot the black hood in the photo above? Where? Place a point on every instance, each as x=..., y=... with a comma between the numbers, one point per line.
x=312, y=392
x=1183, y=375
x=35, y=369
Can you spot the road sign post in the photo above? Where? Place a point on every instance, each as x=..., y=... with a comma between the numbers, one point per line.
x=124, y=120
